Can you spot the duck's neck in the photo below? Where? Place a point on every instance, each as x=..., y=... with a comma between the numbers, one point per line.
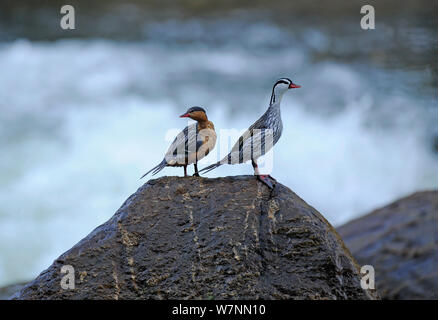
x=274, y=105
x=203, y=123
x=276, y=97
x=273, y=111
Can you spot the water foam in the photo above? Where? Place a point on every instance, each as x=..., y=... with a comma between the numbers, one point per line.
x=81, y=121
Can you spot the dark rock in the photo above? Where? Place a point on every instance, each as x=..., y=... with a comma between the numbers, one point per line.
x=7, y=291
x=400, y=241
x=198, y=238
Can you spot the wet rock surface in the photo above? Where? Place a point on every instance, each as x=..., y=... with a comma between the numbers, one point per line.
x=400, y=240
x=199, y=238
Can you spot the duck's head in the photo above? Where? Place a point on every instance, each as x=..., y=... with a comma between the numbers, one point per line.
x=280, y=87
x=195, y=113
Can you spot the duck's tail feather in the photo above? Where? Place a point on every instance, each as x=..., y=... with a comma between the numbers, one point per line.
x=156, y=169
x=211, y=167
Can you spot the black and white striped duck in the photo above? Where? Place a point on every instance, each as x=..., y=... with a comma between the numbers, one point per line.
x=191, y=144
x=261, y=136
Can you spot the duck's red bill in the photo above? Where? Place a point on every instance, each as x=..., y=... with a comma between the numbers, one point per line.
x=185, y=115
x=293, y=85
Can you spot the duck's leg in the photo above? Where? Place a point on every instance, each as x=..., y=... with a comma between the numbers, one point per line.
x=266, y=179
x=196, y=174
x=185, y=171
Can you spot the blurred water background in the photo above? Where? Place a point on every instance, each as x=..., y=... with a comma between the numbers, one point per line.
x=84, y=113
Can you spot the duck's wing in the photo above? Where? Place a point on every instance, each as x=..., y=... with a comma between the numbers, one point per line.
x=246, y=135
x=252, y=144
x=205, y=142
x=184, y=144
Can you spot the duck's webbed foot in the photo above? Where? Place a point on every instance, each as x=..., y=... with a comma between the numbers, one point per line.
x=267, y=180
x=272, y=178
x=196, y=174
